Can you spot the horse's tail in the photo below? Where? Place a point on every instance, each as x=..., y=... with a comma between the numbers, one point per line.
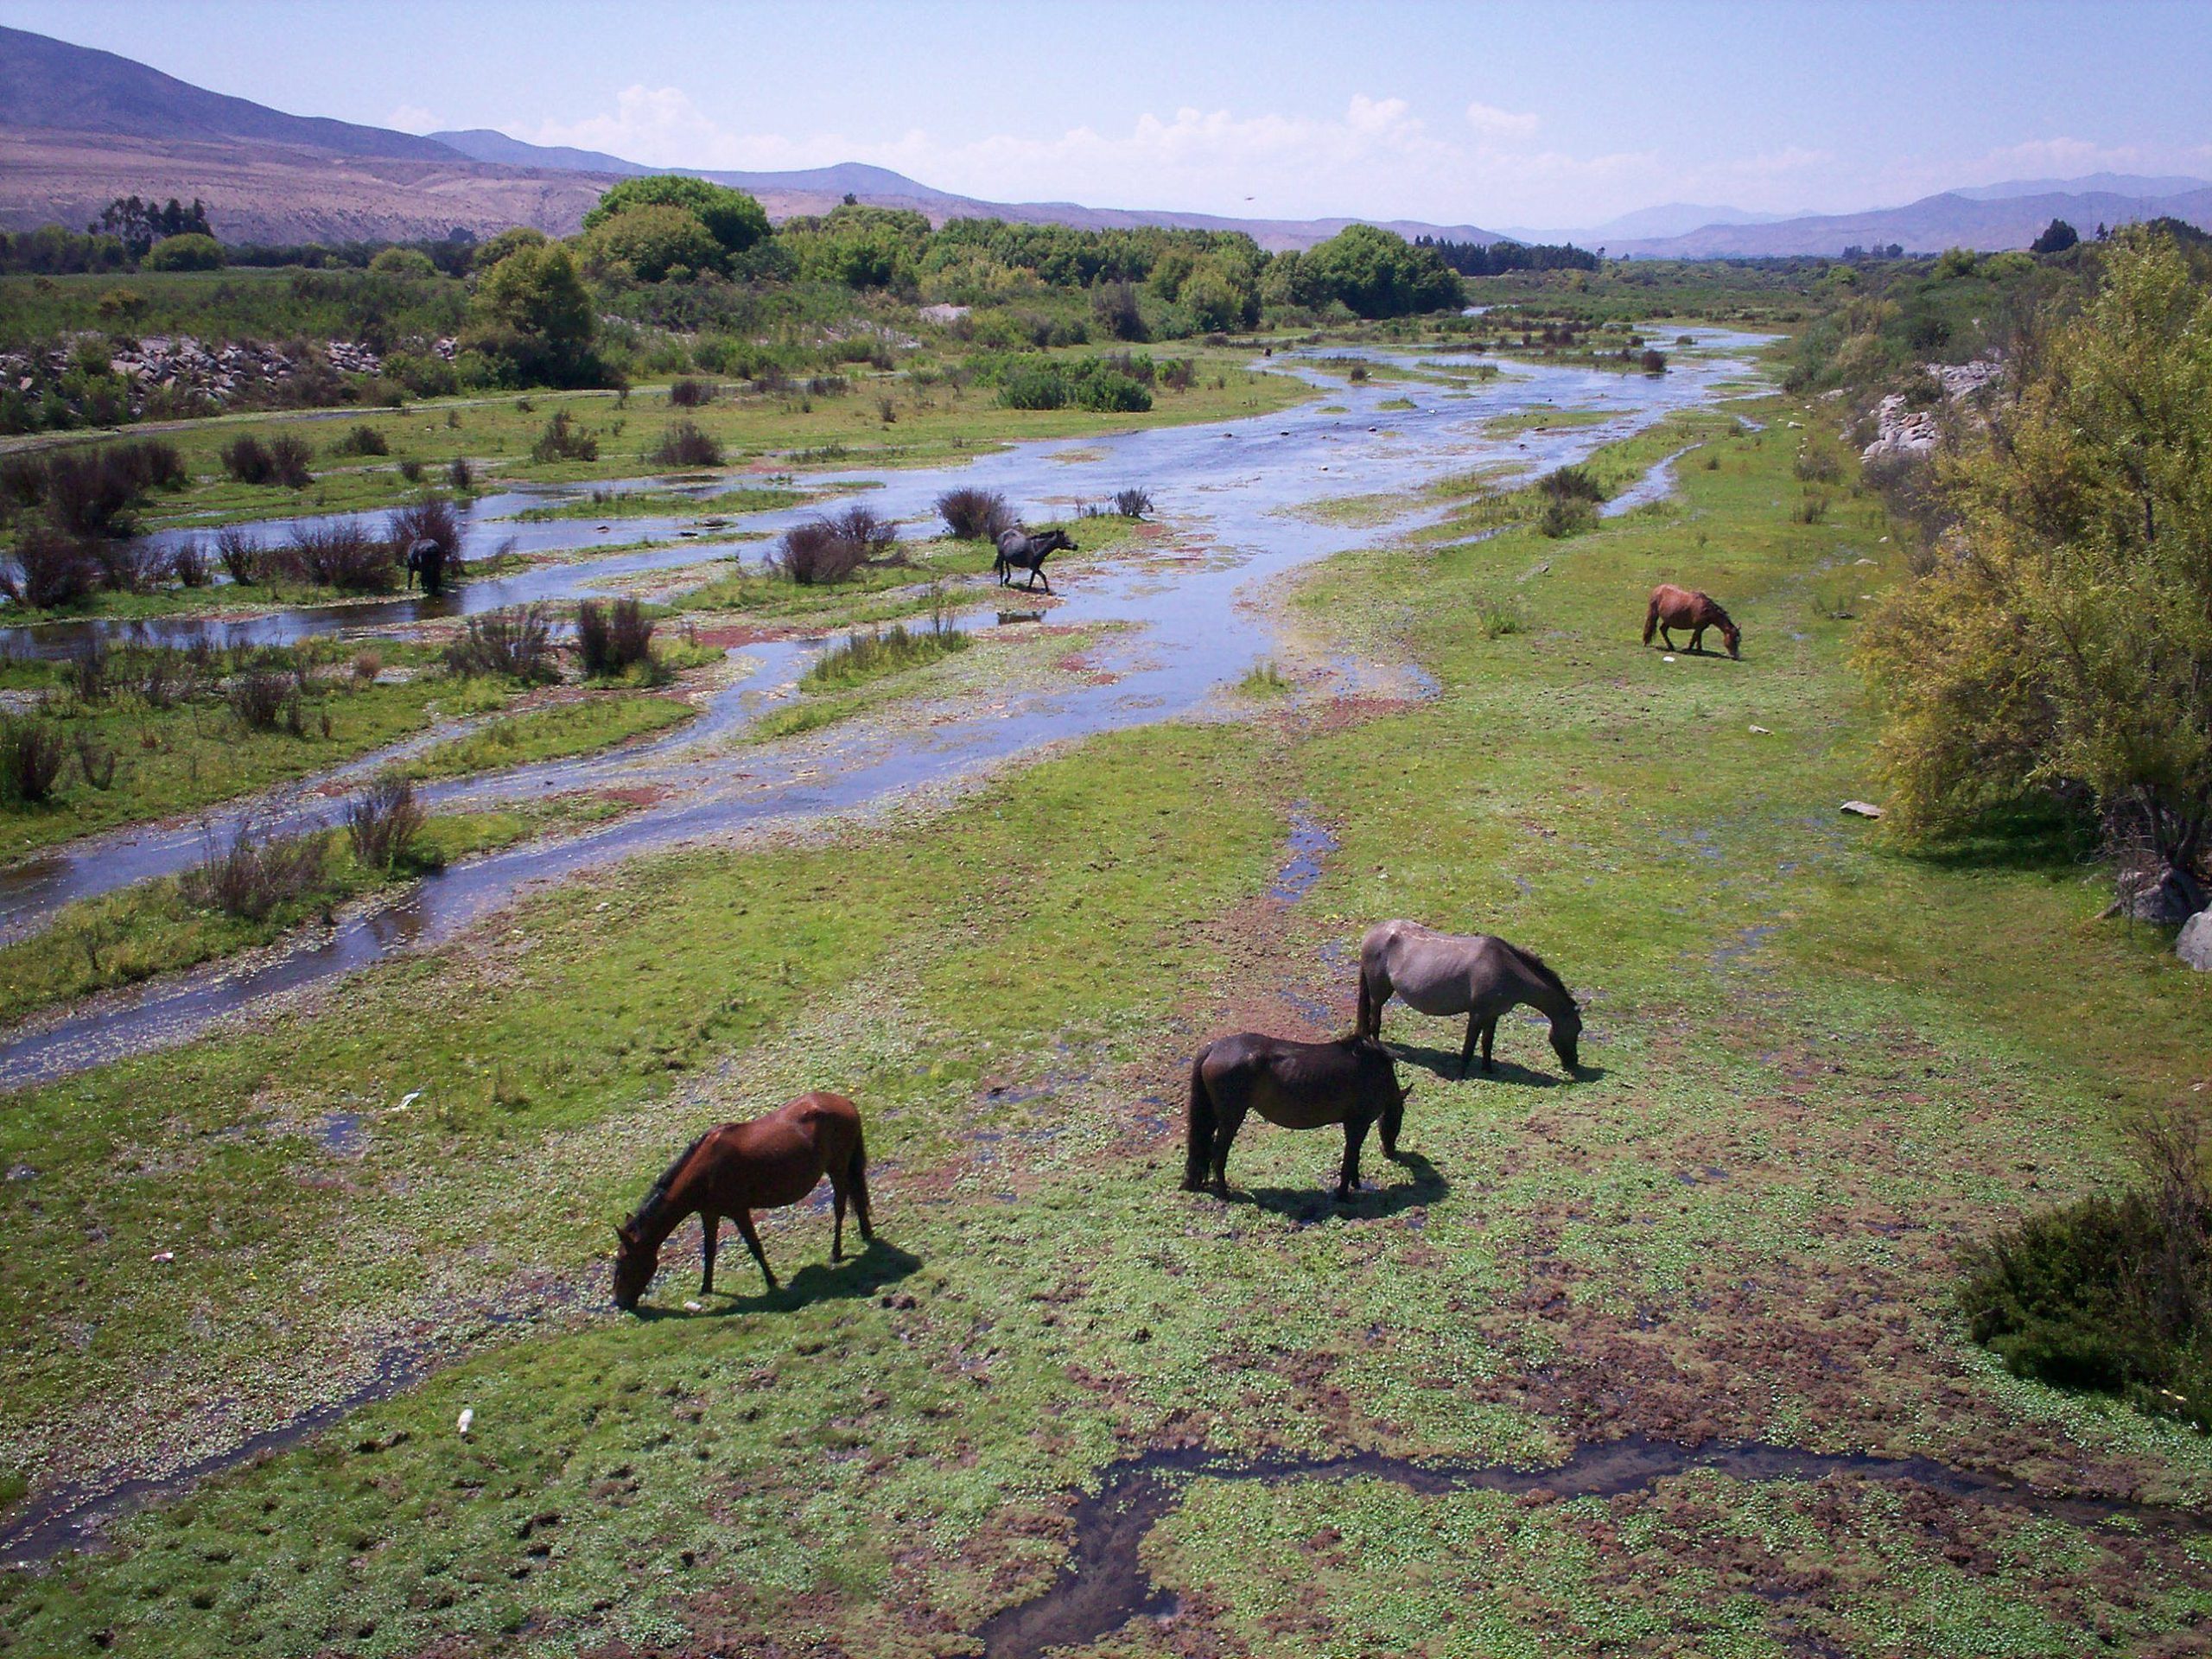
x=1367, y=1024
x=1651, y=619
x=1199, y=1141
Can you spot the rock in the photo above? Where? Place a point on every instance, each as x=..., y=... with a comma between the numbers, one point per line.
x=1862, y=809
x=2194, y=946
x=466, y=1420
x=2162, y=898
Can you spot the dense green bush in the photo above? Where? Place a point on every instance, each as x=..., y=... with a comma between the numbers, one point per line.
x=533, y=315
x=731, y=217
x=403, y=262
x=191, y=251
x=651, y=244
x=1376, y=273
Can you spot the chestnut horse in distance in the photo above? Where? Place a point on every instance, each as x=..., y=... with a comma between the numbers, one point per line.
x=737, y=1168
x=1685, y=607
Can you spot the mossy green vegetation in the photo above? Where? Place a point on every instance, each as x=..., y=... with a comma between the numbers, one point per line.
x=573, y=726
x=1813, y=1063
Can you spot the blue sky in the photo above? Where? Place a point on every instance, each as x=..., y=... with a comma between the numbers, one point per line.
x=1559, y=114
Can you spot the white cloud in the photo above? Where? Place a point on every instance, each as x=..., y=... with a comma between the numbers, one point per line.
x=413, y=118
x=1494, y=123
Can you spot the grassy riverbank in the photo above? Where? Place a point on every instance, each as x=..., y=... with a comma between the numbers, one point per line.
x=1815, y=1064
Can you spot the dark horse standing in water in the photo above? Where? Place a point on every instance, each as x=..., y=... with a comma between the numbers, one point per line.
x=1350, y=1080
x=1475, y=974
x=1025, y=549
x=1681, y=608
x=740, y=1167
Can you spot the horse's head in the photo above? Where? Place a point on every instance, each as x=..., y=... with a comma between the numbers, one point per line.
x=1052, y=539
x=635, y=1263
x=1734, y=637
x=1566, y=1037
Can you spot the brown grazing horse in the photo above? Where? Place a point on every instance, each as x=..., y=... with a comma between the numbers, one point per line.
x=740, y=1167
x=1475, y=974
x=1350, y=1080
x=1683, y=607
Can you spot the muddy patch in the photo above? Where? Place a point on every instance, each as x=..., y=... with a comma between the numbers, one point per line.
x=1105, y=1585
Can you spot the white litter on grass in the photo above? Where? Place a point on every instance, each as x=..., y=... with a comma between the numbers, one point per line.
x=691, y=1308
x=407, y=1100
x=1862, y=809
x=468, y=1417
x=1666, y=659
x=1763, y=731
x=164, y=1255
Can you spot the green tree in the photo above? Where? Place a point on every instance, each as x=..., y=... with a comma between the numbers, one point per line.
x=1377, y=273
x=732, y=218
x=2056, y=237
x=2060, y=638
x=510, y=240
x=403, y=262
x=650, y=243
x=190, y=251
x=531, y=313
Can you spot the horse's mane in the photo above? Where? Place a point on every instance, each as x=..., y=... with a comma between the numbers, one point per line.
x=1542, y=970
x=659, y=1196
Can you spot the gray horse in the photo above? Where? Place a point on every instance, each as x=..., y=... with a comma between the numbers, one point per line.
x=1025, y=549
x=1475, y=974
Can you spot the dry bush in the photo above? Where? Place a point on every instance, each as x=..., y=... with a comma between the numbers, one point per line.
x=974, y=515
x=685, y=445
x=384, y=820
x=264, y=696
x=239, y=554
x=562, y=439
x=251, y=878
x=188, y=566
x=49, y=571
x=517, y=643
x=612, y=635
x=32, y=755
x=343, y=555
x=692, y=394
x=816, y=555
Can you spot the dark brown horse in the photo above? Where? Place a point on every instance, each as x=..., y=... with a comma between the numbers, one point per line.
x=1350, y=1080
x=1475, y=974
x=740, y=1167
x=1025, y=549
x=1684, y=607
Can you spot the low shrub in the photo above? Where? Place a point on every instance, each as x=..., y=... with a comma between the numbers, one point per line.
x=692, y=394
x=1816, y=465
x=384, y=821
x=862, y=657
x=49, y=571
x=85, y=673
x=239, y=554
x=1653, y=361
x=974, y=515
x=815, y=555
x=1132, y=503
x=282, y=461
x=516, y=644
x=188, y=566
x=684, y=445
x=264, y=696
x=2112, y=1293
x=32, y=755
x=362, y=441
x=611, y=635
x=1572, y=484
x=461, y=476
x=1566, y=515
x=876, y=536
x=95, y=761
x=344, y=555
x=129, y=567
x=562, y=439
x=1812, y=507
x=251, y=877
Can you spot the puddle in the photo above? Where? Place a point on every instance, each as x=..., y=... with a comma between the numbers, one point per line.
x=1311, y=841
x=1103, y=1584
x=340, y=1132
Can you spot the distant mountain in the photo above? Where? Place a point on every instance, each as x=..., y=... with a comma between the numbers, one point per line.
x=2108, y=184
x=1668, y=219
x=1929, y=225
x=51, y=84
x=483, y=144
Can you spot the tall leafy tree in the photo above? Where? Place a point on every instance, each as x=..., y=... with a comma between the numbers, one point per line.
x=531, y=312
x=734, y=219
x=2060, y=637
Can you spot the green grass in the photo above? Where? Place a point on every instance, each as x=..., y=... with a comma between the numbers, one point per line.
x=579, y=726
x=178, y=760
x=861, y=657
x=122, y=938
x=661, y=504
x=1816, y=1062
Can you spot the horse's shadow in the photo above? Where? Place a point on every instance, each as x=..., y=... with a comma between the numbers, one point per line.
x=877, y=1264
x=1305, y=1204
x=1443, y=1064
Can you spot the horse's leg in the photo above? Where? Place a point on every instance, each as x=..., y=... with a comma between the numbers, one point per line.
x=1490, y=1036
x=1355, y=1136
x=837, y=1209
x=857, y=1178
x=1697, y=640
x=1042, y=577
x=1467, y=1049
x=753, y=1242
x=1227, y=1120
x=711, y=1226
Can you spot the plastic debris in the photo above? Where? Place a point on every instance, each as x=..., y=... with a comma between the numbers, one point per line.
x=1763, y=731
x=164, y=1255
x=691, y=1308
x=1666, y=659
x=1862, y=809
x=468, y=1417
x=408, y=1099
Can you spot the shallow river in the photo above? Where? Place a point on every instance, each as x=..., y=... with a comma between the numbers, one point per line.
x=1225, y=489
